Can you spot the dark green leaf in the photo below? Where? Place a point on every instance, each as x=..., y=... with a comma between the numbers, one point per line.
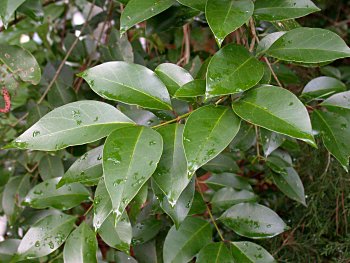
x=50, y=167
x=322, y=87
x=33, y=9
x=7, y=9
x=340, y=100
x=267, y=42
x=145, y=230
x=128, y=83
x=183, y=244
x=227, y=197
x=46, y=194
x=81, y=246
x=222, y=163
x=253, y=221
x=102, y=204
x=217, y=181
x=245, y=138
x=196, y=4
x=275, y=109
x=215, y=253
x=248, y=252
x=191, y=89
x=208, y=131
x=130, y=156
x=225, y=16
x=72, y=124
x=232, y=70
x=270, y=141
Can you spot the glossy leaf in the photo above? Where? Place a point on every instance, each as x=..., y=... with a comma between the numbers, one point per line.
x=191, y=89
x=215, y=253
x=218, y=181
x=248, y=252
x=196, y=4
x=222, y=163
x=129, y=83
x=145, y=230
x=227, y=197
x=309, y=45
x=50, y=167
x=20, y=61
x=183, y=244
x=137, y=11
x=130, y=156
x=102, y=204
x=8, y=249
x=171, y=172
x=72, y=124
x=275, y=109
x=87, y=169
x=270, y=141
x=267, y=42
x=81, y=246
x=253, y=221
x=232, y=70
x=339, y=100
x=208, y=131
x=335, y=130
x=173, y=76
x=45, y=236
x=322, y=87
x=179, y=212
x=276, y=10
x=225, y=16
x=46, y=194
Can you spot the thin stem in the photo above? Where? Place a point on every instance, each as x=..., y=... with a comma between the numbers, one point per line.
x=89, y=209
x=171, y=121
x=209, y=212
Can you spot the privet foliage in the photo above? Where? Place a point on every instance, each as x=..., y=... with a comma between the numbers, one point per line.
x=135, y=159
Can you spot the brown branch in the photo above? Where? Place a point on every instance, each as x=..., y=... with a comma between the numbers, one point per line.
x=7, y=100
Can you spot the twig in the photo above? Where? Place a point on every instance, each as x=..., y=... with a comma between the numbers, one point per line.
x=171, y=121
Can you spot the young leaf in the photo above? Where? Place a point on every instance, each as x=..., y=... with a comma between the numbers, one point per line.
x=137, y=11
x=309, y=45
x=248, y=252
x=339, y=100
x=322, y=87
x=183, y=244
x=276, y=10
x=196, y=4
x=46, y=194
x=225, y=16
x=218, y=181
x=215, y=253
x=232, y=70
x=72, y=124
x=117, y=235
x=87, y=169
x=129, y=83
x=227, y=197
x=275, y=109
x=81, y=246
x=208, y=131
x=45, y=236
x=191, y=89
x=171, y=172
x=20, y=62
x=179, y=212
x=253, y=221
x=130, y=156
x=173, y=76
x=335, y=130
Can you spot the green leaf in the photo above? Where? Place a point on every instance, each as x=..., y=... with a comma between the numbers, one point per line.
x=309, y=45
x=270, y=141
x=253, y=221
x=222, y=163
x=267, y=42
x=335, y=130
x=32, y=9
x=50, y=167
x=102, y=204
x=290, y=184
x=171, y=172
x=227, y=197
x=275, y=109
x=225, y=16
x=215, y=251
x=46, y=194
x=129, y=83
x=196, y=4
x=179, y=212
x=145, y=230
x=339, y=100
x=245, y=138
x=45, y=236
x=13, y=194
x=20, y=62
x=8, y=249
x=183, y=244
x=137, y=203
x=117, y=235
x=137, y=11
x=208, y=131
x=322, y=87
x=218, y=181
x=232, y=70
x=7, y=9
x=81, y=245
x=173, y=76
x=72, y=124
x=248, y=252
x=87, y=169
x=276, y=10
x=191, y=89
x=130, y=156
